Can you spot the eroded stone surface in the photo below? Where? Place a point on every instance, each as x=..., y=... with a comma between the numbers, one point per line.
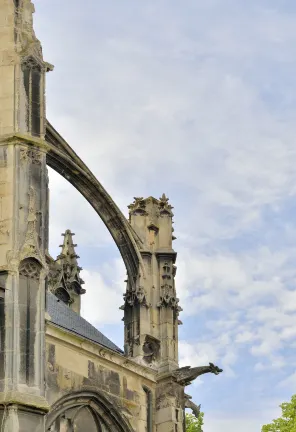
x=53, y=378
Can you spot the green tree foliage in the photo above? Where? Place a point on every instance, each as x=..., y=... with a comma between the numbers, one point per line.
x=193, y=424
x=285, y=423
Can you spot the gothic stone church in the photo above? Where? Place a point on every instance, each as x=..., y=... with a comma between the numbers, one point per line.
x=57, y=372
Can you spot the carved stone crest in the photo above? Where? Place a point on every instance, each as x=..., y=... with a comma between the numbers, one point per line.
x=135, y=296
x=138, y=207
x=165, y=209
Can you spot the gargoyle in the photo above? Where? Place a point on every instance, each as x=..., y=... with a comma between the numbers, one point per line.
x=191, y=405
x=186, y=374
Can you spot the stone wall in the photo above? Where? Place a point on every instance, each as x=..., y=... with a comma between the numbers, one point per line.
x=74, y=364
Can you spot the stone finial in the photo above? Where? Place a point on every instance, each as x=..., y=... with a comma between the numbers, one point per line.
x=164, y=206
x=64, y=276
x=68, y=254
x=138, y=206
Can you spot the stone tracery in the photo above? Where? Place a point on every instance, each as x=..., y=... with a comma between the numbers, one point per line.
x=79, y=411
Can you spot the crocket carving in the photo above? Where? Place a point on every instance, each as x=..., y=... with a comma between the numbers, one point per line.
x=186, y=374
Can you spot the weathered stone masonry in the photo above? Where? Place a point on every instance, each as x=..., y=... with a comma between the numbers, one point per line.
x=57, y=372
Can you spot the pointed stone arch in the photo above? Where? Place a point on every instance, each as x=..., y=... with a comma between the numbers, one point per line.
x=105, y=412
x=66, y=162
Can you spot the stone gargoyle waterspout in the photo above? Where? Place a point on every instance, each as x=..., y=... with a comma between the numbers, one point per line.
x=191, y=405
x=187, y=374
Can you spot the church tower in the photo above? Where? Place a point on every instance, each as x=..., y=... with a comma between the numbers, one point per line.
x=23, y=219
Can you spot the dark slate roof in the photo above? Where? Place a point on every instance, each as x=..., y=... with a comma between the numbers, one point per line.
x=64, y=317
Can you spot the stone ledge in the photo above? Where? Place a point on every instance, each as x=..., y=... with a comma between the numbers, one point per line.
x=25, y=400
x=166, y=254
x=18, y=138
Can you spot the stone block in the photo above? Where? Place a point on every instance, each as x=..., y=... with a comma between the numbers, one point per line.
x=6, y=36
x=6, y=119
x=166, y=427
x=6, y=15
x=164, y=415
x=6, y=102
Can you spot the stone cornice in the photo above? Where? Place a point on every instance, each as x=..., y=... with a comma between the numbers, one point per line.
x=30, y=401
x=18, y=138
x=168, y=254
x=146, y=253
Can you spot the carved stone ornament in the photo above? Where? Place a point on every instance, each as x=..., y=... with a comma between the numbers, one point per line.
x=168, y=299
x=30, y=268
x=165, y=209
x=151, y=349
x=135, y=296
x=64, y=274
x=30, y=247
x=32, y=155
x=187, y=374
x=167, y=274
x=138, y=207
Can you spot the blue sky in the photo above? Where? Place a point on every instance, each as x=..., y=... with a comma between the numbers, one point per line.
x=195, y=99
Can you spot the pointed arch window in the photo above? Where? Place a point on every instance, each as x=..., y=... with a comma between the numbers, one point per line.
x=32, y=78
x=85, y=411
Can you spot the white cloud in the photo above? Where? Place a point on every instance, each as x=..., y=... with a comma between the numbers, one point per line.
x=254, y=306
x=289, y=382
x=272, y=364
x=100, y=304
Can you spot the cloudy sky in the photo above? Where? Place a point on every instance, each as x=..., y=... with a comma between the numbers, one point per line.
x=195, y=99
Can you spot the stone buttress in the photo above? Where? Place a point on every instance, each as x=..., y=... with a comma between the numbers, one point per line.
x=23, y=220
x=151, y=308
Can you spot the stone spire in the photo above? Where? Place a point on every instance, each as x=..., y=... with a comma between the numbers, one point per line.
x=64, y=277
x=68, y=254
x=151, y=307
